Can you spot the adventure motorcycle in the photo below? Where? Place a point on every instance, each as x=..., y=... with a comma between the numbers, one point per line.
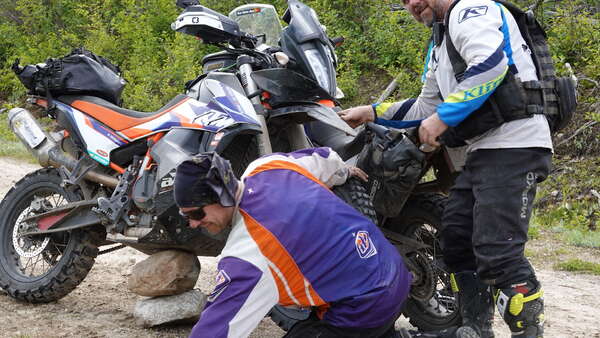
x=108, y=171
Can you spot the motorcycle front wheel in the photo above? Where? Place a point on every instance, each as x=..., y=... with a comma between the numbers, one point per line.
x=41, y=269
x=431, y=304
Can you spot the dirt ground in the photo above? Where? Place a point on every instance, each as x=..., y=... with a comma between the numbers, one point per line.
x=102, y=306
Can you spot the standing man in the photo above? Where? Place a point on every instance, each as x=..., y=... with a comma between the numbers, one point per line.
x=293, y=242
x=487, y=216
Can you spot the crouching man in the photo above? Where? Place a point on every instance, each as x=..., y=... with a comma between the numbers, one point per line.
x=291, y=241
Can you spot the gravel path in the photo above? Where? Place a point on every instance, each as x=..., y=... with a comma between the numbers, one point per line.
x=101, y=306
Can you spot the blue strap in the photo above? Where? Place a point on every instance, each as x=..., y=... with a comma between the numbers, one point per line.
x=398, y=124
x=507, y=47
x=429, y=50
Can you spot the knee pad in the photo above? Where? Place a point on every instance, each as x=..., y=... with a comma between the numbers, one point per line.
x=522, y=308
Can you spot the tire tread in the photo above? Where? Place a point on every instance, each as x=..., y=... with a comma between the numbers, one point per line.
x=71, y=272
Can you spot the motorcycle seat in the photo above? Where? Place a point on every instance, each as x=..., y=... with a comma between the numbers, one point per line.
x=117, y=118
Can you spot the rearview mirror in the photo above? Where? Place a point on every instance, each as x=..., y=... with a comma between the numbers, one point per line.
x=187, y=3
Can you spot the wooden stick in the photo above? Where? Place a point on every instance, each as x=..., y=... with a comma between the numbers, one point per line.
x=388, y=91
x=577, y=132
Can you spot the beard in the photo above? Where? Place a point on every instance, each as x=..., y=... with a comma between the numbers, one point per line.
x=220, y=236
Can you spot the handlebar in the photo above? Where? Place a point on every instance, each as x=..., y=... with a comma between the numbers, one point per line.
x=380, y=131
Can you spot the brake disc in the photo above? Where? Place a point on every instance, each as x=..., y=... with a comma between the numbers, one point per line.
x=27, y=246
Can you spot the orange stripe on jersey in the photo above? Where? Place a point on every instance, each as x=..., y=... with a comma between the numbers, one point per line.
x=277, y=254
x=284, y=298
x=281, y=164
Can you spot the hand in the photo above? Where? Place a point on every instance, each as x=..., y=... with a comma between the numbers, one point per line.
x=357, y=115
x=357, y=172
x=431, y=128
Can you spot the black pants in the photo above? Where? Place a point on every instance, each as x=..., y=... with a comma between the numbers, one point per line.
x=487, y=216
x=313, y=327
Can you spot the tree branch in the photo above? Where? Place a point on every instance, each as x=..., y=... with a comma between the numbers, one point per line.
x=577, y=132
x=388, y=90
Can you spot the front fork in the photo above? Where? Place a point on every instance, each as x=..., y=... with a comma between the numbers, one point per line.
x=245, y=69
x=295, y=132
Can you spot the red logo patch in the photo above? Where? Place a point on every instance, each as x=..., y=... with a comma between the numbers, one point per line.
x=364, y=245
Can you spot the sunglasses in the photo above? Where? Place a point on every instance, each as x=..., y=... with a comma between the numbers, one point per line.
x=195, y=215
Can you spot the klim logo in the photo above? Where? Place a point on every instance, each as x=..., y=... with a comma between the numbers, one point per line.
x=471, y=12
x=364, y=245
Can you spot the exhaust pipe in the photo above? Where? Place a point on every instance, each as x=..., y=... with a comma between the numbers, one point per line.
x=45, y=149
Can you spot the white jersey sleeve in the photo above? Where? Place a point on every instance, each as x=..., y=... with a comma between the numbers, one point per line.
x=322, y=163
x=245, y=289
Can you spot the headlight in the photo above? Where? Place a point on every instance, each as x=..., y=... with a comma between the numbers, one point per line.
x=318, y=66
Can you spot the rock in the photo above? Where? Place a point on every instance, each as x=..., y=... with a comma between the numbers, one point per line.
x=165, y=273
x=168, y=309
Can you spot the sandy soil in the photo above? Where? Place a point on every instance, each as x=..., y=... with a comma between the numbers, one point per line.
x=101, y=306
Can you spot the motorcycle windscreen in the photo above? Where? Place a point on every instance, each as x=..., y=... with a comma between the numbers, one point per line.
x=304, y=23
x=258, y=19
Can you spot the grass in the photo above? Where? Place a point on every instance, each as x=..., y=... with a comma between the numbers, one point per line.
x=577, y=265
x=15, y=150
x=10, y=146
x=534, y=229
x=586, y=239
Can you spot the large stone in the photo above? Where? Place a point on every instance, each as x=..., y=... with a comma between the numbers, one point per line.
x=185, y=307
x=165, y=273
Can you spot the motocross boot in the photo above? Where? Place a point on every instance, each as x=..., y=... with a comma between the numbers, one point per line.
x=476, y=305
x=522, y=307
x=476, y=308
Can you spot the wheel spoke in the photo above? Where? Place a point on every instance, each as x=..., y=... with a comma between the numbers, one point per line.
x=27, y=264
x=34, y=266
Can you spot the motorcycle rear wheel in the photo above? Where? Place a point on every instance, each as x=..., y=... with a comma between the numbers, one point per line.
x=41, y=269
x=431, y=305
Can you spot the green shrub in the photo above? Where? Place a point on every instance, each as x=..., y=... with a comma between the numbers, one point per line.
x=582, y=238
x=579, y=265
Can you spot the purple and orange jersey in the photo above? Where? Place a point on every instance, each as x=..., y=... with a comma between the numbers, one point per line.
x=294, y=242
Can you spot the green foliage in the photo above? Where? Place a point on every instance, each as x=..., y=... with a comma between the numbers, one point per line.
x=135, y=35
x=568, y=202
x=156, y=61
x=15, y=150
x=587, y=239
x=6, y=133
x=579, y=265
x=534, y=228
x=574, y=33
